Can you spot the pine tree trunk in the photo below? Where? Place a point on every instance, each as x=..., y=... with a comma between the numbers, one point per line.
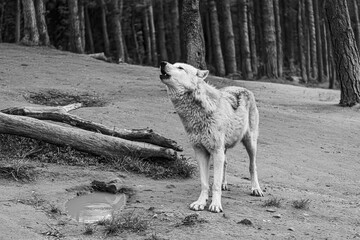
x=88, y=30
x=138, y=57
x=82, y=23
x=31, y=33
x=290, y=40
x=75, y=38
x=312, y=42
x=192, y=32
x=216, y=43
x=104, y=28
x=251, y=26
x=2, y=7
x=147, y=38
x=301, y=43
x=115, y=5
x=161, y=32
x=347, y=61
x=270, y=68
x=175, y=30
x=320, y=66
x=357, y=23
x=41, y=23
x=154, y=53
x=244, y=40
x=278, y=39
x=228, y=38
x=325, y=51
x=17, y=21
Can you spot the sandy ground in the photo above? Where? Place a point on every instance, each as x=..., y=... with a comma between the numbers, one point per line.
x=308, y=148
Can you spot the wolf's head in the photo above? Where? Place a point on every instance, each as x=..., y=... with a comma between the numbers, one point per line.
x=181, y=77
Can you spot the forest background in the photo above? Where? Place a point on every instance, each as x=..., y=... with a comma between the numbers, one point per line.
x=244, y=39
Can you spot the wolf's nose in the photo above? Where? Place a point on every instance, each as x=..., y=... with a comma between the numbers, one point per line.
x=163, y=64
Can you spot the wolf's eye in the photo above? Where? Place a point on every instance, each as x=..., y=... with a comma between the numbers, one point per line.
x=180, y=68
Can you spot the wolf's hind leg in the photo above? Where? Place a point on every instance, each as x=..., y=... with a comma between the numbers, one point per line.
x=250, y=143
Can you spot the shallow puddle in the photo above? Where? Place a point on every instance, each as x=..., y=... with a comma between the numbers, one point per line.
x=94, y=207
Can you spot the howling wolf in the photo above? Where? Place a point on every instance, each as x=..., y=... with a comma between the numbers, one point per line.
x=215, y=120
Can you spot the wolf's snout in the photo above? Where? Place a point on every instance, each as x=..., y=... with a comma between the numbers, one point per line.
x=164, y=74
x=163, y=64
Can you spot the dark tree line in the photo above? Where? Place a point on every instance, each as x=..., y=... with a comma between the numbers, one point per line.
x=247, y=39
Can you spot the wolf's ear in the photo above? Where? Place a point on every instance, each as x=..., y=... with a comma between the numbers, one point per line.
x=202, y=73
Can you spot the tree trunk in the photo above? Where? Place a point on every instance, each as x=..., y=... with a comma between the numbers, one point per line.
x=244, y=40
x=228, y=38
x=161, y=32
x=147, y=38
x=60, y=114
x=88, y=30
x=82, y=23
x=82, y=140
x=175, y=30
x=116, y=7
x=17, y=21
x=138, y=57
x=325, y=51
x=279, y=46
x=192, y=32
x=104, y=28
x=216, y=43
x=75, y=35
x=41, y=23
x=301, y=39
x=254, y=58
x=2, y=7
x=290, y=40
x=154, y=54
x=312, y=41
x=347, y=61
x=270, y=55
x=357, y=23
x=320, y=66
x=31, y=33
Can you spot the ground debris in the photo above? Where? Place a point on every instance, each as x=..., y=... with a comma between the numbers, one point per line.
x=246, y=222
x=192, y=220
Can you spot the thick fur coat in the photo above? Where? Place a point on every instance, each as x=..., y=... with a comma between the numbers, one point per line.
x=215, y=120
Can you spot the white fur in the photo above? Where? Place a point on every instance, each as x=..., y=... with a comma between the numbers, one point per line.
x=215, y=120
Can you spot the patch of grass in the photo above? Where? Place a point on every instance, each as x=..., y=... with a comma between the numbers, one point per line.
x=89, y=229
x=129, y=222
x=154, y=168
x=54, y=97
x=12, y=147
x=301, y=204
x=18, y=170
x=273, y=202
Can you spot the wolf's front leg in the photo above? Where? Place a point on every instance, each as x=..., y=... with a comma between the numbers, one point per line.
x=218, y=157
x=202, y=157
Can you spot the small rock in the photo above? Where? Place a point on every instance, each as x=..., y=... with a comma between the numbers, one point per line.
x=277, y=216
x=170, y=186
x=246, y=222
x=291, y=229
x=271, y=210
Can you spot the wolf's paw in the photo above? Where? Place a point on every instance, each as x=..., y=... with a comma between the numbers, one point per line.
x=216, y=208
x=225, y=187
x=257, y=192
x=197, y=206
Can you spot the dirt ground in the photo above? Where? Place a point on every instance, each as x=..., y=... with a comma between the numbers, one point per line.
x=308, y=148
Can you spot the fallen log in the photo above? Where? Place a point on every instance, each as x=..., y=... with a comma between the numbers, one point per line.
x=82, y=140
x=60, y=114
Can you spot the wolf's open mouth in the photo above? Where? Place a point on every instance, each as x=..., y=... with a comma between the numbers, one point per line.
x=164, y=75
